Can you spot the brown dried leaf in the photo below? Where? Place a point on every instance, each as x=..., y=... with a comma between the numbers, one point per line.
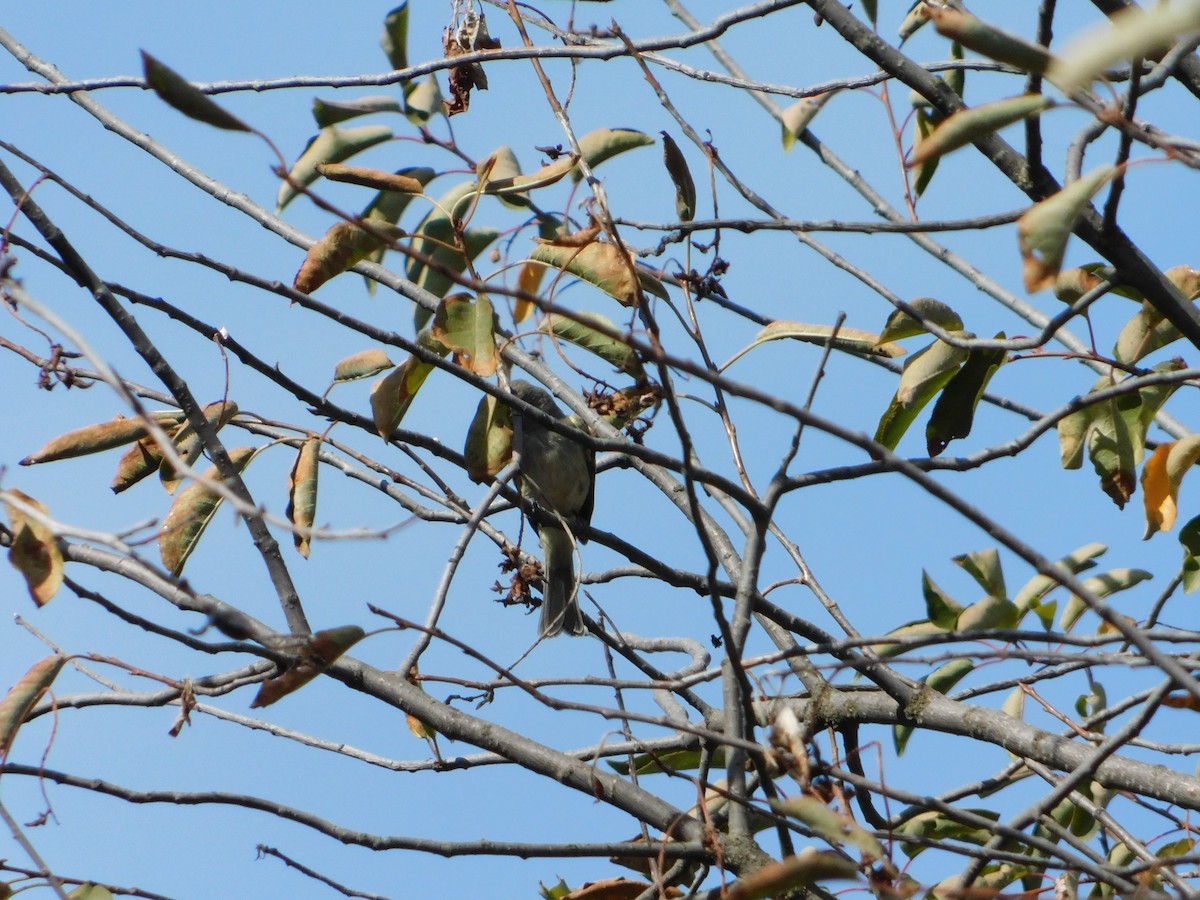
x=319, y=653
x=191, y=512
x=302, y=492
x=34, y=552
x=97, y=438
x=23, y=697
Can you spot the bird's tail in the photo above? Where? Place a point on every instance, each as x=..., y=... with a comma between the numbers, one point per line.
x=560, y=605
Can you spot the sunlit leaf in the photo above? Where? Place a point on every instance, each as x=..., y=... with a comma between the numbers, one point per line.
x=1148, y=330
x=603, y=265
x=977, y=35
x=395, y=36
x=331, y=112
x=141, y=460
x=605, y=143
x=954, y=413
x=1161, y=478
x=934, y=827
x=968, y=125
x=942, y=609
x=466, y=325
x=925, y=122
x=302, y=492
x=986, y=614
x=616, y=352
x=854, y=340
x=529, y=278
x=510, y=185
x=320, y=652
x=332, y=144
x=34, y=551
x=489, y=439
x=90, y=891
x=918, y=15
x=1043, y=231
x=343, y=246
x=1105, y=585
x=901, y=324
x=984, y=566
x=681, y=177
x=191, y=512
x=925, y=373
x=177, y=92
x=20, y=700
x=797, y=117
x=423, y=100
x=668, y=761
x=1133, y=33
x=1037, y=587
x=100, y=437
x=363, y=364
x=808, y=867
x=399, y=182
x=388, y=205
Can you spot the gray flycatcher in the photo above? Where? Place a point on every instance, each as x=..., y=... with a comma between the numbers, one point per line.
x=558, y=480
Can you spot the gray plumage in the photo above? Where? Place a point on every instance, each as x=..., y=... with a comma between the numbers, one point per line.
x=557, y=479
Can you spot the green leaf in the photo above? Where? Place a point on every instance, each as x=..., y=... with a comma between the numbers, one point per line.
x=853, y=340
x=437, y=238
x=395, y=36
x=918, y=15
x=605, y=143
x=332, y=144
x=601, y=264
x=1105, y=585
x=466, y=325
x=1075, y=562
x=925, y=373
x=975, y=34
x=934, y=827
x=90, y=891
x=681, y=177
x=941, y=680
x=616, y=352
x=188, y=444
x=191, y=512
x=984, y=567
x=1189, y=538
x=1043, y=231
x=1134, y=33
x=489, y=439
x=942, y=609
x=178, y=93
x=387, y=207
x=988, y=613
x=968, y=125
x=423, y=100
x=900, y=324
x=504, y=178
x=835, y=827
x=670, y=761
x=302, y=491
x=331, y=112
x=393, y=394
x=924, y=124
x=954, y=413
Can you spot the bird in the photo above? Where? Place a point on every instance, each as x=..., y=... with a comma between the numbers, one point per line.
x=557, y=478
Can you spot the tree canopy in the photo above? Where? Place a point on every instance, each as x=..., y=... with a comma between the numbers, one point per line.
x=878, y=322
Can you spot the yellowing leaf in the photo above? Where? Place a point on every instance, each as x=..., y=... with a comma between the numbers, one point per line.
x=1043, y=231
x=797, y=117
x=968, y=125
x=605, y=143
x=1161, y=477
x=97, y=438
x=141, y=460
x=34, y=552
x=178, y=92
x=365, y=176
x=187, y=441
x=507, y=184
x=830, y=824
x=489, y=439
x=331, y=144
x=1133, y=33
x=808, y=867
x=19, y=702
x=341, y=247
x=854, y=340
x=191, y=512
x=614, y=351
x=977, y=35
x=320, y=652
x=466, y=325
x=681, y=177
x=603, y=265
x=362, y=365
x=393, y=394
x=302, y=492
